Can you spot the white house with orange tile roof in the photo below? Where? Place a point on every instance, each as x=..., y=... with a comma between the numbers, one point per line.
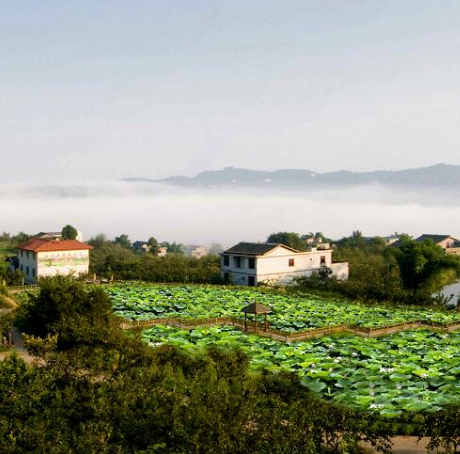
x=45, y=257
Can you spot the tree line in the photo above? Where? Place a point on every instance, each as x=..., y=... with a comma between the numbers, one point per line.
x=118, y=260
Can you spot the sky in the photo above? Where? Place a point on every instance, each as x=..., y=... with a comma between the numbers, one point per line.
x=107, y=89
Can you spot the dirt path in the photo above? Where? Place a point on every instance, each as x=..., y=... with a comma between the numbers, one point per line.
x=18, y=347
x=406, y=445
x=9, y=301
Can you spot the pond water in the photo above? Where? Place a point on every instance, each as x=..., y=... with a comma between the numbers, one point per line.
x=452, y=289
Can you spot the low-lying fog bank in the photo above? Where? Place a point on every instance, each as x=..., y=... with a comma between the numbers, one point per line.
x=223, y=215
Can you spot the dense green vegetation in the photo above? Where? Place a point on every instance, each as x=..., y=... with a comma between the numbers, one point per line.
x=69, y=232
x=118, y=260
x=8, y=245
x=407, y=372
x=96, y=390
x=289, y=312
x=410, y=273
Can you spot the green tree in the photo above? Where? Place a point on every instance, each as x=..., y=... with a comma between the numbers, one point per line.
x=424, y=266
x=289, y=239
x=99, y=241
x=173, y=248
x=124, y=241
x=153, y=243
x=21, y=237
x=69, y=232
x=64, y=306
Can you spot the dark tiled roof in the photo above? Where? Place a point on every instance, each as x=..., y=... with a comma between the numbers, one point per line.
x=254, y=248
x=435, y=238
x=426, y=236
x=256, y=308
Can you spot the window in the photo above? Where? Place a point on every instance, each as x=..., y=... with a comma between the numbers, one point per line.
x=27, y=255
x=251, y=281
x=226, y=260
x=33, y=272
x=323, y=260
x=27, y=270
x=291, y=262
x=237, y=262
x=251, y=263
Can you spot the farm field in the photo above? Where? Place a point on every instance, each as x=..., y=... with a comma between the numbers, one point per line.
x=413, y=371
x=290, y=313
x=409, y=372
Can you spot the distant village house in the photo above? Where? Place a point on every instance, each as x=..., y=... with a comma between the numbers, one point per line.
x=450, y=244
x=46, y=255
x=56, y=235
x=162, y=251
x=141, y=246
x=195, y=251
x=255, y=263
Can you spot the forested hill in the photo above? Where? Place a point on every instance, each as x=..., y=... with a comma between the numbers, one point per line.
x=437, y=176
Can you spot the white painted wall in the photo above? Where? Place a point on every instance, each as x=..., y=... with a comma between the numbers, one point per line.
x=268, y=265
x=340, y=270
x=28, y=265
x=274, y=267
x=197, y=252
x=49, y=264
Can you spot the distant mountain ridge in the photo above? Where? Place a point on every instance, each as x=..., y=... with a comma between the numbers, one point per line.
x=437, y=176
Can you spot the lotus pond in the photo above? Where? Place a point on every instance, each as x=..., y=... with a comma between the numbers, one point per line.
x=412, y=371
x=289, y=312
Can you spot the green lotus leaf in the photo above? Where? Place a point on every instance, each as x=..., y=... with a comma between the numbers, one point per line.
x=313, y=385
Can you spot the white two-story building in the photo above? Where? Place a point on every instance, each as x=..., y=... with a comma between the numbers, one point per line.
x=47, y=257
x=255, y=263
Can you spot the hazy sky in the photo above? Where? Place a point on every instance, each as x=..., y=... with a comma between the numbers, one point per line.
x=113, y=88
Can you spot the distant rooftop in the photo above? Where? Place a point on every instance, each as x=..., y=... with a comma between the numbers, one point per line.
x=435, y=238
x=255, y=248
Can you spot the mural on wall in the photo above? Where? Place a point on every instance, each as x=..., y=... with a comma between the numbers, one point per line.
x=62, y=260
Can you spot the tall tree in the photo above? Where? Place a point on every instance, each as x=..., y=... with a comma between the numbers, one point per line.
x=153, y=244
x=124, y=241
x=173, y=248
x=69, y=232
x=424, y=266
x=290, y=239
